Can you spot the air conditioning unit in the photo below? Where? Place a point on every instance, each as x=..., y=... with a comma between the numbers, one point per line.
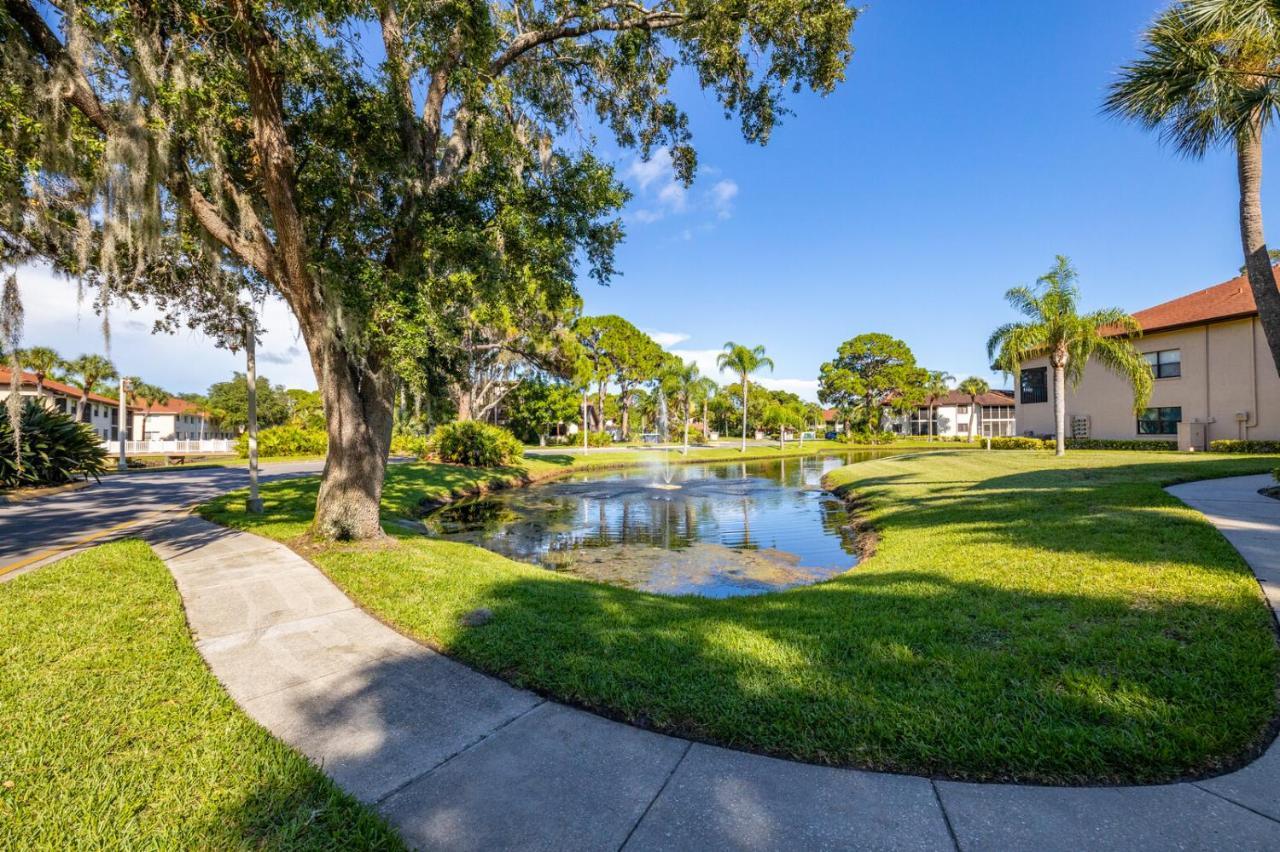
x=1080, y=426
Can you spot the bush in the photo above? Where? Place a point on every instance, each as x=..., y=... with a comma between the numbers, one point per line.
x=696, y=435
x=410, y=444
x=868, y=437
x=476, y=444
x=1102, y=444
x=287, y=440
x=599, y=439
x=1233, y=446
x=55, y=449
x=1016, y=442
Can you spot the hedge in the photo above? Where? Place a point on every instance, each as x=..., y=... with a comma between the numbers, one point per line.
x=1101, y=444
x=285, y=440
x=1233, y=446
x=477, y=444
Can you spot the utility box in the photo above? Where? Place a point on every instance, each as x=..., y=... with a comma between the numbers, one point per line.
x=1191, y=437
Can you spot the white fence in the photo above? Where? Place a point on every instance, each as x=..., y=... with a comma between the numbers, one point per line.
x=140, y=448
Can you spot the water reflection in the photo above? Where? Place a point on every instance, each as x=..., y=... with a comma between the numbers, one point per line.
x=729, y=528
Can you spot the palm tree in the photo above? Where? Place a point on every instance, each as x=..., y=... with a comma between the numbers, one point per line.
x=1209, y=75
x=973, y=387
x=86, y=372
x=744, y=362
x=40, y=360
x=151, y=395
x=704, y=393
x=937, y=385
x=1054, y=327
x=681, y=382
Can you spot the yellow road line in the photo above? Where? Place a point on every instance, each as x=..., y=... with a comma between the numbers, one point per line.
x=80, y=542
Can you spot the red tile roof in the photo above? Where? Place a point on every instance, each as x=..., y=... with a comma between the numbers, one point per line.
x=991, y=397
x=29, y=380
x=173, y=406
x=1226, y=301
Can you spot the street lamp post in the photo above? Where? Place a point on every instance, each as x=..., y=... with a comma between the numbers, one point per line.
x=254, y=503
x=124, y=423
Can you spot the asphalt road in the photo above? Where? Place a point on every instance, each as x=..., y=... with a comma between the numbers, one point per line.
x=37, y=529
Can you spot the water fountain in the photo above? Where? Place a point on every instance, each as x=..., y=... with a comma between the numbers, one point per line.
x=666, y=471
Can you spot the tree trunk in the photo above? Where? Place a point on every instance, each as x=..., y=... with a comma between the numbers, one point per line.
x=1257, y=259
x=686, y=430
x=358, y=405
x=600, y=413
x=1060, y=408
x=464, y=405
x=930, y=421
x=81, y=403
x=744, y=414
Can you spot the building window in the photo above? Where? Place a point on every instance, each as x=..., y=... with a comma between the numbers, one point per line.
x=998, y=420
x=962, y=411
x=1160, y=421
x=1165, y=364
x=920, y=421
x=1034, y=384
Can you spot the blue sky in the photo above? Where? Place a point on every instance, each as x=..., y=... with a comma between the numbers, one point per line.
x=964, y=151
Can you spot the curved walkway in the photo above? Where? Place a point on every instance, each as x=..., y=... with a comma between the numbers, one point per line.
x=459, y=760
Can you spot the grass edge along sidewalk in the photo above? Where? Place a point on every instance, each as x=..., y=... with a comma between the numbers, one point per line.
x=1024, y=618
x=113, y=733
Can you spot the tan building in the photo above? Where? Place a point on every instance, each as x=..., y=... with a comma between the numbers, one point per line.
x=1213, y=375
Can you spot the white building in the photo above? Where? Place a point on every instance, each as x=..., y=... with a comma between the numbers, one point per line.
x=100, y=412
x=175, y=420
x=957, y=415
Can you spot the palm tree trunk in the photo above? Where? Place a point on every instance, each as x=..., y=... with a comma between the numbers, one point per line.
x=1257, y=259
x=1060, y=408
x=81, y=403
x=931, y=421
x=744, y=413
x=686, y=430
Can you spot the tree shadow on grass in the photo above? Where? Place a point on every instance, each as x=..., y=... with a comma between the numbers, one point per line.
x=904, y=671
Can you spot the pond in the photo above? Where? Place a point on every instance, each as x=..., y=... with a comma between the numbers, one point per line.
x=713, y=529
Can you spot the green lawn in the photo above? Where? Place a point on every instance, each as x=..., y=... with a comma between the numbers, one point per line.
x=1024, y=617
x=114, y=735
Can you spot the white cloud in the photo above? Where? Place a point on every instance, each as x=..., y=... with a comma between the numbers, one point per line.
x=666, y=339
x=804, y=388
x=657, y=168
x=184, y=361
x=722, y=195
x=661, y=194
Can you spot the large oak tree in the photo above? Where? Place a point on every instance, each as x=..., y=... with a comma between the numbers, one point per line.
x=355, y=158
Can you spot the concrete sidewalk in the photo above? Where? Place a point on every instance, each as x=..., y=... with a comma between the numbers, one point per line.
x=459, y=760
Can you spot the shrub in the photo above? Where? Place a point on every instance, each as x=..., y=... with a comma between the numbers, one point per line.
x=477, y=444
x=286, y=440
x=410, y=444
x=1104, y=444
x=1233, y=446
x=55, y=449
x=599, y=439
x=864, y=436
x=1017, y=442
x=696, y=435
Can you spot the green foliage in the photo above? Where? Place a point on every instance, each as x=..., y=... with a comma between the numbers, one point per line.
x=1019, y=442
x=599, y=439
x=866, y=373
x=477, y=444
x=55, y=449
x=1110, y=444
x=306, y=408
x=697, y=436
x=869, y=437
x=535, y=405
x=1234, y=446
x=285, y=440
x=410, y=444
x=231, y=401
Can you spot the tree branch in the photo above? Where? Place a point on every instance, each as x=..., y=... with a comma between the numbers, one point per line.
x=658, y=19
x=43, y=41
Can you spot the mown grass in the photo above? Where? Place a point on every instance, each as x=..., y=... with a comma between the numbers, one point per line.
x=114, y=735
x=1024, y=617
